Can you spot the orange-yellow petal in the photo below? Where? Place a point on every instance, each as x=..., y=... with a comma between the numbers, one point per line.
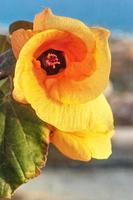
x=83, y=145
x=71, y=145
x=46, y=20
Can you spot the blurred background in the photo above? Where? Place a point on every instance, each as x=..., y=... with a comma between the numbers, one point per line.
x=64, y=179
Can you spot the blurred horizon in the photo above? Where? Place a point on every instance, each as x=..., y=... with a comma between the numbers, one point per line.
x=112, y=14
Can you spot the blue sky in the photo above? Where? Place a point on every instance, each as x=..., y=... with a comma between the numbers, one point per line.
x=114, y=14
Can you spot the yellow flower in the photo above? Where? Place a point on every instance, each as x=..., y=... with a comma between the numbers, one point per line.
x=62, y=69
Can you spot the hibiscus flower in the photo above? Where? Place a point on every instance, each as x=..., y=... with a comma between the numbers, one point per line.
x=62, y=70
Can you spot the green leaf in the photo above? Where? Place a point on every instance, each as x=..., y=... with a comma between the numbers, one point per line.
x=4, y=43
x=23, y=143
x=20, y=24
x=7, y=63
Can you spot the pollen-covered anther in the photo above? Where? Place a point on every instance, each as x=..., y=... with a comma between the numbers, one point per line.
x=52, y=60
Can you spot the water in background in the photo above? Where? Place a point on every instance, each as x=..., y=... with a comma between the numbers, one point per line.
x=113, y=14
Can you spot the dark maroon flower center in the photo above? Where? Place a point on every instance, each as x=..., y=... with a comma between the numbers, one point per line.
x=52, y=61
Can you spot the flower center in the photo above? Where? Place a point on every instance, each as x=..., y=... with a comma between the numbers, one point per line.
x=52, y=61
